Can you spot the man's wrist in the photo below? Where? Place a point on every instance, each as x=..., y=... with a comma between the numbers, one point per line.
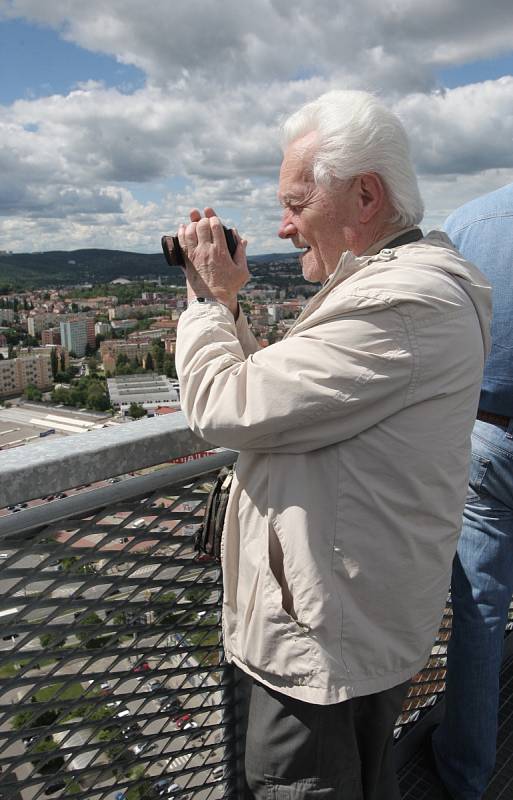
x=232, y=306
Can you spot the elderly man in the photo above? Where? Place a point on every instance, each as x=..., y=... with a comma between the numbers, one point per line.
x=353, y=434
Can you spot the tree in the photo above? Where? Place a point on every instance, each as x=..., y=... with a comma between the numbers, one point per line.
x=54, y=361
x=272, y=334
x=49, y=640
x=96, y=397
x=90, y=641
x=31, y=392
x=169, y=368
x=148, y=361
x=63, y=362
x=44, y=764
x=158, y=351
x=92, y=366
x=136, y=411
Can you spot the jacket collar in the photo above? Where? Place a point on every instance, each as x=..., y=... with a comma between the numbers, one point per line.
x=349, y=263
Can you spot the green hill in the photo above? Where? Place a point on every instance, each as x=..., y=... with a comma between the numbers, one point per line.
x=72, y=267
x=69, y=267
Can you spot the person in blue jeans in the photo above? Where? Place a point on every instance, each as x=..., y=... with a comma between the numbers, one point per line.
x=464, y=745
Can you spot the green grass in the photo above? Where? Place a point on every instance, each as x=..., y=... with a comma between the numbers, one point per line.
x=72, y=691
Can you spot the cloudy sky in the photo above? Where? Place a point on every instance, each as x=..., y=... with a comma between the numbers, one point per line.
x=117, y=117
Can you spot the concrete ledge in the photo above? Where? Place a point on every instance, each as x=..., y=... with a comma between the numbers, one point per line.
x=37, y=470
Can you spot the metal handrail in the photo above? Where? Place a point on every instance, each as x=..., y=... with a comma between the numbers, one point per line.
x=37, y=470
x=60, y=509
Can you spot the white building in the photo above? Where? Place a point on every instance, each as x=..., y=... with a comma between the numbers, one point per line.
x=147, y=390
x=102, y=329
x=74, y=336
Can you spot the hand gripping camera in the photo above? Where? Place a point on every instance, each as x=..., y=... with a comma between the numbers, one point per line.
x=175, y=256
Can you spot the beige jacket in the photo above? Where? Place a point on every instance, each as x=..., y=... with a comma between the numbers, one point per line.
x=354, y=439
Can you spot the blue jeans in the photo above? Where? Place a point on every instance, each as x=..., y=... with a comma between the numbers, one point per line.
x=482, y=585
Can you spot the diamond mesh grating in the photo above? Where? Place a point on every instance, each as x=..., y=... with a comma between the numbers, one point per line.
x=111, y=639
x=110, y=657
x=417, y=778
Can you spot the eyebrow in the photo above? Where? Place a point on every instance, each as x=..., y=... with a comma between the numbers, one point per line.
x=288, y=198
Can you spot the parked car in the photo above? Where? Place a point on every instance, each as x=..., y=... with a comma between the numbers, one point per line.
x=181, y=720
x=192, y=730
x=218, y=773
x=154, y=685
x=130, y=732
x=142, y=666
x=166, y=787
x=170, y=704
x=28, y=740
x=143, y=747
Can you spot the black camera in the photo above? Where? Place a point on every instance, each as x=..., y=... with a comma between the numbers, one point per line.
x=175, y=255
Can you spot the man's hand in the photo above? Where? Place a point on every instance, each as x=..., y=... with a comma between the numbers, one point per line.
x=211, y=271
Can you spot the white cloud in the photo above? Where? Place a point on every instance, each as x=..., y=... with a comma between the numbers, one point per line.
x=219, y=78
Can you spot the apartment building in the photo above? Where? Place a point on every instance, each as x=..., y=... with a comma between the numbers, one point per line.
x=38, y=322
x=51, y=336
x=74, y=335
x=17, y=373
x=123, y=324
x=7, y=315
x=111, y=348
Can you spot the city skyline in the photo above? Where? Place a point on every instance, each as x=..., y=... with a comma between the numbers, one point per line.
x=115, y=121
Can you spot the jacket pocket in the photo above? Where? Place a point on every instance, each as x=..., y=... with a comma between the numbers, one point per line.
x=273, y=640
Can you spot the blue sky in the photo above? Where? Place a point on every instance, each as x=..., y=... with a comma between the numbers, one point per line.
x=35, y=62
x=116, y=119
x=488, y=69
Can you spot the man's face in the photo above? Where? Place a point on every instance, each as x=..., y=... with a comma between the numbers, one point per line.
x=317, y=219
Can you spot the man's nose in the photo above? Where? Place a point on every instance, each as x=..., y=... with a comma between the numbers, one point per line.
x=287, y=228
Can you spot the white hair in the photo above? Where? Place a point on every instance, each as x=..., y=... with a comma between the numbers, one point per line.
x=357, y=134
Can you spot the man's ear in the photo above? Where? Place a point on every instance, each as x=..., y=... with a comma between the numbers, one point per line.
x=371, y=196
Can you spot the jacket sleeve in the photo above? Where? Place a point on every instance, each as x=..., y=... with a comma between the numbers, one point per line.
x=308, y=391
x=248, y=342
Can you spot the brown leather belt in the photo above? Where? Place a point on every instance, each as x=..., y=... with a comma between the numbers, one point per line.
x=493, y=419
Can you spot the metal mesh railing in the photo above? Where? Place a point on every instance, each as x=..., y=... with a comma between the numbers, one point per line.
x=112, y=680
x=112, y=677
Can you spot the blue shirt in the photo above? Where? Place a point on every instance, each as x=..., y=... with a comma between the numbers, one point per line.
x=482, y=230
